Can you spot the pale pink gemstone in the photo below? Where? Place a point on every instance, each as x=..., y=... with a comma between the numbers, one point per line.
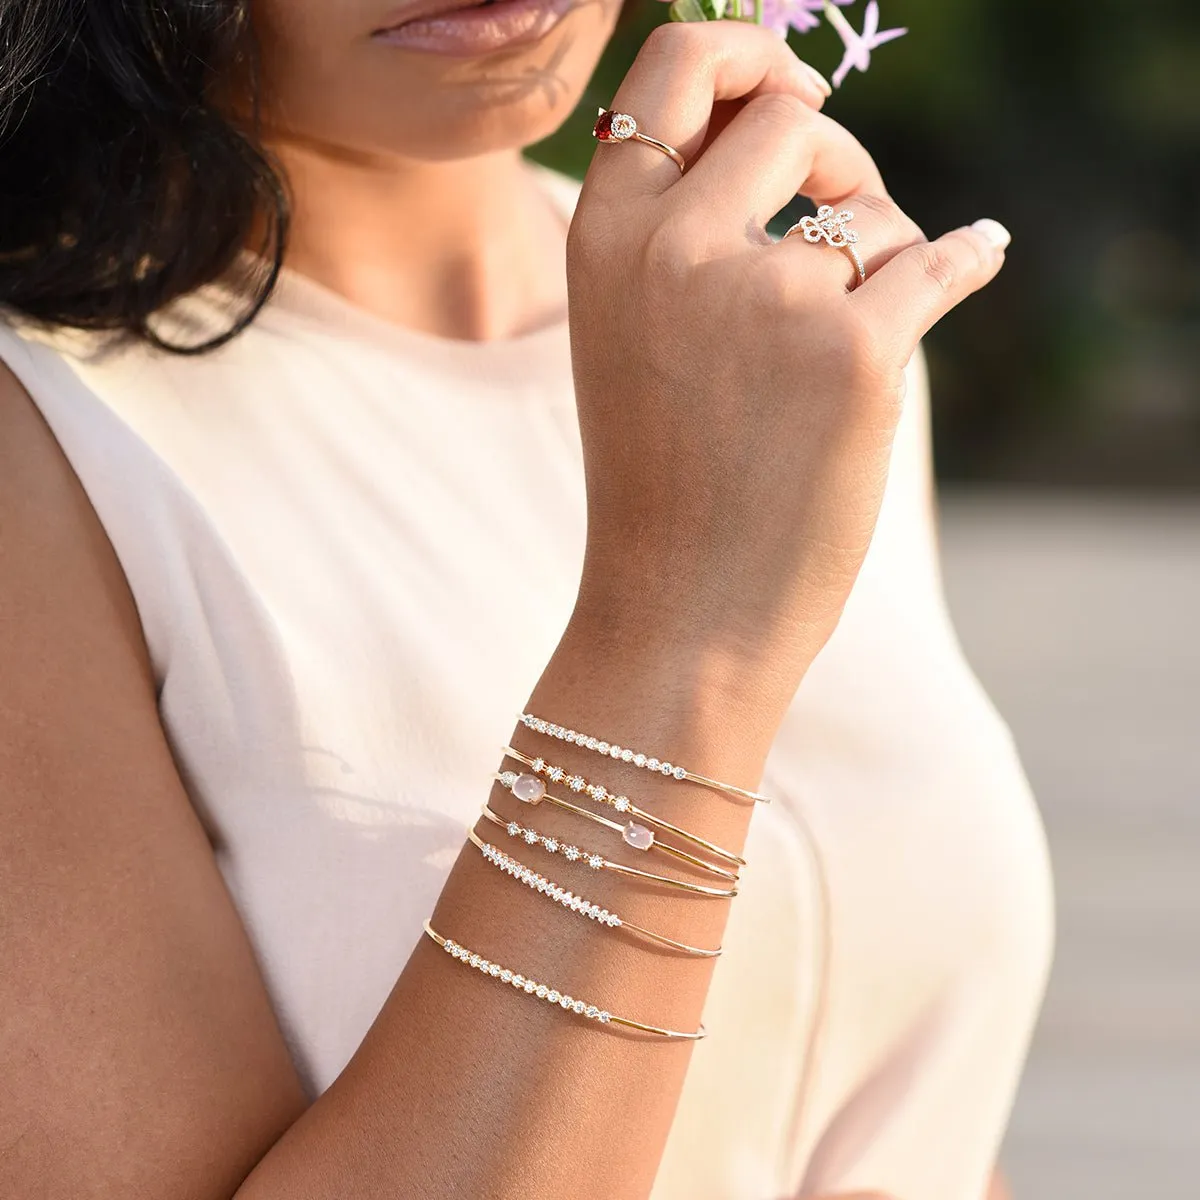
x=638, y=836
x=528, y=788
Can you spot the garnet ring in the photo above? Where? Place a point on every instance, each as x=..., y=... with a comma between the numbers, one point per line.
x=832, y=228
x=614, y=126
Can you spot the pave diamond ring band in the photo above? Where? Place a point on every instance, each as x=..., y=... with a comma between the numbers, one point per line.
x=832, y=228
x=612, y=126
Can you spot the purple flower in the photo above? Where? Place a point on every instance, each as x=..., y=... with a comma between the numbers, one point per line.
x=858, y=45
x=800, y=15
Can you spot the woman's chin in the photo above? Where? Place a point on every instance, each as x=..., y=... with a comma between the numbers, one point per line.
x=432, y=106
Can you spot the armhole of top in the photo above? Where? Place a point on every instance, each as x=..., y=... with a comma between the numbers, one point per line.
x=53, y=467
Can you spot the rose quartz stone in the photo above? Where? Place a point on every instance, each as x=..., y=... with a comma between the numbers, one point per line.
x=528, y=788
x=638, y=836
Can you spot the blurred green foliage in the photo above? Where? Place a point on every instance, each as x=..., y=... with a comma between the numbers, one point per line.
x=1077, y=123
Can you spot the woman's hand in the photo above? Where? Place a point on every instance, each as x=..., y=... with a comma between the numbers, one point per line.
x=737, y=400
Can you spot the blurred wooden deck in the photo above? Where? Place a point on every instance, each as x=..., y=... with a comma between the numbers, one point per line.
x=1082, y=615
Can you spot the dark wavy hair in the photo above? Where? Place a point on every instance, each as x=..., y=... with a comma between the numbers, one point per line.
x=124, y=181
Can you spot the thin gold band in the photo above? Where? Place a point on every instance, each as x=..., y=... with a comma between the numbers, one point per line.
x=607, y=865
x=669, y=151
x=560, y=895
x=605, y=797
x=543, y=992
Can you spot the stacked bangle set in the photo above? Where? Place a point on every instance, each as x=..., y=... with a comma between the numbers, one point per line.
x=639, y=833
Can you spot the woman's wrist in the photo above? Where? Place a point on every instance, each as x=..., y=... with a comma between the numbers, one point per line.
x=683, y=694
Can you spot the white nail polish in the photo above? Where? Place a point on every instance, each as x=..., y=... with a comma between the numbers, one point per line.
x=994, y=232
x=819, y=79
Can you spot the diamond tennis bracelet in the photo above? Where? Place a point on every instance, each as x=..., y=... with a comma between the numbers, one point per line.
x=635, y=757
x=553, y=995
x=547, y=887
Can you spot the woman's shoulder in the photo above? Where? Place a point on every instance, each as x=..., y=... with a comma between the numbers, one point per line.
x=55, y=557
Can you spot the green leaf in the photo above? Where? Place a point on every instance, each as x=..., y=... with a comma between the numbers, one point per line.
x=696, y=10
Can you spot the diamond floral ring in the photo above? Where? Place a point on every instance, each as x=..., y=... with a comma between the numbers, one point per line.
x=612, y=126
x=832, y=228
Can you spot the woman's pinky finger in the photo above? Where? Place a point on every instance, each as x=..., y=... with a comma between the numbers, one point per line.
x=910, y=293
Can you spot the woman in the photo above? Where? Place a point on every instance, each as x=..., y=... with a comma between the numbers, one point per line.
x=271, y=610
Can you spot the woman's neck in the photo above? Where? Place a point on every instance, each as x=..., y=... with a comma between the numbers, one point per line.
x=469, y=248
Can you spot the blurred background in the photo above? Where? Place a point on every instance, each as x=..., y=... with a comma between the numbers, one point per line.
x=1067, y=421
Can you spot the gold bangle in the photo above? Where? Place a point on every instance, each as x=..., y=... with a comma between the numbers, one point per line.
x=554, y=845
x=560, y=895
x=598, y=792
x=636, y=758
x=633, y=835
x=553, y=995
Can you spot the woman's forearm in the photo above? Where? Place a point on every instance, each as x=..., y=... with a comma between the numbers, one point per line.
x=466, y=1086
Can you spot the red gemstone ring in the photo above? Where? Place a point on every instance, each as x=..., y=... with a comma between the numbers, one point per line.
x=614, y=126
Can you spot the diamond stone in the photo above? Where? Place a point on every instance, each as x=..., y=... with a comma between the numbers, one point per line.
x=571, y=853
x=639, y=760
x=602, y=747
x=530, y=986
x=551, y=844
x=576, y=783
x=556, y=774
x=652, y=764
x=530, y=837
x=679, y=773
x=565, y=1001
x=518, y=981
x=578, y=1006
x=591, y=1011
x=604, y=1017
x=621, y=803
x=592, y=743
x=494, y=969
x=513, y=829
x=542, y=991
x=595, y=862
x=627, y=756
x=506, y=975
x=552, y=995
x=614, y=752
x=666, y=768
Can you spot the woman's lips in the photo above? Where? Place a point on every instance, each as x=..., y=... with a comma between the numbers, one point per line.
x=479, y=29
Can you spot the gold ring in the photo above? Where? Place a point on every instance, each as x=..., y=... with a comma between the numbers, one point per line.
x=613, y=126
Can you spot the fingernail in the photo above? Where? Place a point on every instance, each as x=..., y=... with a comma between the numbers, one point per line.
x=994, y=232
x=819, y=79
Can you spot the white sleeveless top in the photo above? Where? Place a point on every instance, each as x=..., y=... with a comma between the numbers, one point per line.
x=324, y=526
